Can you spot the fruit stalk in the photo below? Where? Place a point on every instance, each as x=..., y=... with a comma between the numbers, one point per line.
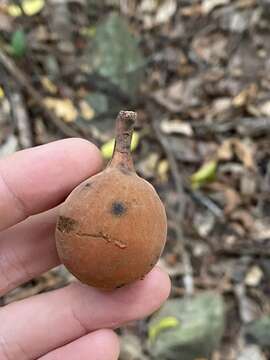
x=124, y=128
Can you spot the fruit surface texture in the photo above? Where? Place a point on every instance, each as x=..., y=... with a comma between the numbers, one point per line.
x=112, y=228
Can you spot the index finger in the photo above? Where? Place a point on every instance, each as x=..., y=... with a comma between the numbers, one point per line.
x=37, y=179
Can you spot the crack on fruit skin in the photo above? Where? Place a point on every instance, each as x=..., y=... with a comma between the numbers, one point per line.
x=119, y=286
x=66, y=224
x=105, y=237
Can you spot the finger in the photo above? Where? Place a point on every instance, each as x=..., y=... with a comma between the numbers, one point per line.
x=47, y=321
x=27, y=250
x=34, y=180
x=99, y=345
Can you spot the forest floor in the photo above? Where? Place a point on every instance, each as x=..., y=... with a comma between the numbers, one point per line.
x=197, y=73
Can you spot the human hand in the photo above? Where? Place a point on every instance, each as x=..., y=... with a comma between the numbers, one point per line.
x=74, y=322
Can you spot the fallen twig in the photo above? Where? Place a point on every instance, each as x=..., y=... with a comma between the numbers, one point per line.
x=207, y=203
x=245, y=126
x=178, y=181
x=244, y=251
x=21, y=119
x=24, y=82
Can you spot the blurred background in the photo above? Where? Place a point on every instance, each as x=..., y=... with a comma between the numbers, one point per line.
x=197, y=73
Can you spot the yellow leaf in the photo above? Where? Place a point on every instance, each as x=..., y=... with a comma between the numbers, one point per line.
x=107, y=148
x=162, y=170
x=30, y=7
x=2, y=94
x=14, y=10
x=88, y=31
x=134, y=141
x=63, y=108
x=205, y=174
x=86, y=110
x=164, y=324
x=48, y=85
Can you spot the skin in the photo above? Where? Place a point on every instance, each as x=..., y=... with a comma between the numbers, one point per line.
x=117, y=241
x=75, y=321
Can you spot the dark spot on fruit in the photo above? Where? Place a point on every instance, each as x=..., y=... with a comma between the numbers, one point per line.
x=118, y=208
x=152, y=264
x=65, y=224
x=86, y=187
x=119, y=286
x=142, y=278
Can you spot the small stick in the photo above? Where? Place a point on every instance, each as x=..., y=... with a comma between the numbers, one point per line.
x=188, y=270
x=178, y=181
x=21, y=120
x=22, y=79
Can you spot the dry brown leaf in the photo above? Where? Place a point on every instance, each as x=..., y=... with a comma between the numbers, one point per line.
x=242, y=150
x=225, y=151
x=254, y=110
x=209, y=5
x=5, y=20
x=261, y=230
x=245, y=95
x=221, y=105
x=48, y=85
x=231, y=197
x=254, y=276
x=238, y=229
x=244, y=153
x=165, y=11
x=233, y=200
x=210, y=48
x=248, y=184
x=265, y=108
x=87, y=111
x=63, y=108
x=192, y=10
x=176, y=126
x=246, y=3
x=244, y=218
x=147, y=6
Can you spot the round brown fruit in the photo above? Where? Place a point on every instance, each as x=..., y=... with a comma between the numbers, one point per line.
x=112, y=228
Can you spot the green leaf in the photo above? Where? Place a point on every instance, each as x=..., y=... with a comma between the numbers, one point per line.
x=18, y=43
x=205, y=174
x=107, y=148
x=164, y=324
